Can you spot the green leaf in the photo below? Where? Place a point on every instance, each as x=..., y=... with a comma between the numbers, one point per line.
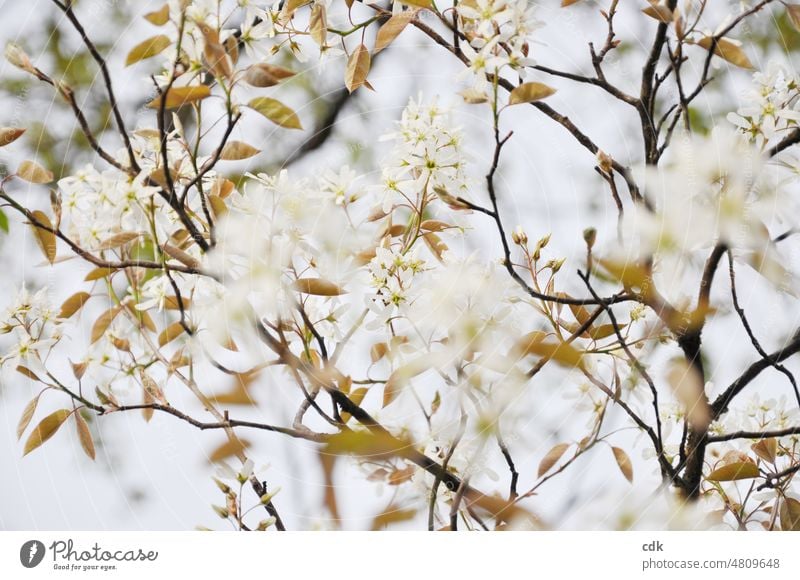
x=276, y=112
x=46, y=429
x=3, y=221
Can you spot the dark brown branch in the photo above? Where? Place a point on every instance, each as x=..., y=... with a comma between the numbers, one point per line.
x=101, y=62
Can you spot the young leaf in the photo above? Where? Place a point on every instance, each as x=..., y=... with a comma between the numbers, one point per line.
x=183, y=257
x=357, y=68
x=98, y=273
x=418, y=3
x=624, y=463
x=179, y=96
x=152, y=388
x=530, y=92
x=84, y=435
x=391, y=389
x=392, y=28
x=72, y=304
x=727, y=49
x=276, y=112
x=551, y=458
x=318, y=25
x=317, y=287
x=229, y=448
x=27, y=415
x=147, y=49
x=238, y=150
x=103, y=322
x=266, y=75
x=158, y=17
x=793, y=12
x=45, y=429
x=45, y=239
x=734, y=472
x=170, y=333
x=34, y=173
x=118, y=240
x=9, y=134
x=766, y=449
x=790, y=515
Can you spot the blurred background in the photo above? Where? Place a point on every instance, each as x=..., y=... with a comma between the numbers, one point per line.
x=156, y=476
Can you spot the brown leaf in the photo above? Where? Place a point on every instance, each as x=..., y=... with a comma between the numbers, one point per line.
x=790, y=515
x=230, y=448
x=728, y=50
x=766, y=449
x=147, y=49
x=27, y=415
x=180, y=96
x=158, y=17
x=72, y=304
x=530, y=92
x=238, y=150
x=45, y=239
x=793, y=12
x=392, y=28
x=551, y=458
x=562, y=353
x=378, y=351
x=357, y=68
x=266, y=75
x=152, y=388
x=34, y=173
x=318, y=24
x=103, y=322
x=170, y=333
x=98, y=273
x=392, y=389
x=734, y=472
x=399, y=476
x=84, y=435
x=9, y=134
x=392, y=515
x=183, y=257
x=317, y=287
x=565, y=3
x=624, y=463
x=118, y=240
x=660, y=12
x=276, y=112
x=45, y=429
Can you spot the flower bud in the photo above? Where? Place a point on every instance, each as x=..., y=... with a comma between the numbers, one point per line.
x=18, y=57
x=590, y=236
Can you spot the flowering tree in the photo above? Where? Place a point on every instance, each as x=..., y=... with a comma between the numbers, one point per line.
x=406, y=357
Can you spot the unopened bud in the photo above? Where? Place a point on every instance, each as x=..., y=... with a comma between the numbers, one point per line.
x=221, y=511
x=555, y=265
x=18, y=57
x=590, y=236
x=605, y=161
x=264, y=524
x=519, y=236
